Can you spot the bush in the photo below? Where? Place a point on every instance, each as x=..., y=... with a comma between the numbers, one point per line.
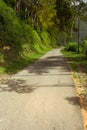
x=84, y=47
x=10, y=26
x=72, y=46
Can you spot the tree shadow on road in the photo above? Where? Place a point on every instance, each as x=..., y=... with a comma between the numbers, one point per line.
x=40, y=67
x=77, y=101
x=43, y=65
x=73, y=100
x=16, y=85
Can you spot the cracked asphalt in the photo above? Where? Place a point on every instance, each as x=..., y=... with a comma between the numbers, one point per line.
x=41, y=97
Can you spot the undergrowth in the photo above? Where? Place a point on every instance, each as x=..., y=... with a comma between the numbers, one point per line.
x=75, y=60
x=21, y=42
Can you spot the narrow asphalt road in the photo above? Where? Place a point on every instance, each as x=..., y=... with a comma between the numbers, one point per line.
x=41, y=97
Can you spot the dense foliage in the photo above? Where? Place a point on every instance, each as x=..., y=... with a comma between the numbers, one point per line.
x=71, y=46
x=25, y=29
x=32, y=26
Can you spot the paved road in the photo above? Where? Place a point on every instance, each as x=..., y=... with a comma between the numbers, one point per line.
x=41, y=97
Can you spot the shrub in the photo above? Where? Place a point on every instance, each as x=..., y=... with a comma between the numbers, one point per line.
x=10, y=26
x=84, y=46
x=72, y=46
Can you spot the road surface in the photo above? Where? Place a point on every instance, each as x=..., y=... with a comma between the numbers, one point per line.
x=41, y=97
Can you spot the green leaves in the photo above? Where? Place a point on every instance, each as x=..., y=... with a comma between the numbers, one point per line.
x=64, y=13
x=85, y=45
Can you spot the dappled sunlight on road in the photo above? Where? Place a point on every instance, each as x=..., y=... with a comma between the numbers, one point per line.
x=41, y=97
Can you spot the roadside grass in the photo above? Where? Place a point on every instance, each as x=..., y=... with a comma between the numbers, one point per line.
x=76, y=61
x=12, y=66
x=78, y=65
x=2, y=69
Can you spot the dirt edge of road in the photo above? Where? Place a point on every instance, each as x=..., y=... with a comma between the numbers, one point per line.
x=82, y=97
x=4, y=77
x=82, y=102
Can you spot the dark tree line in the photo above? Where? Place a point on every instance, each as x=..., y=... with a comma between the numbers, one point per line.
x=47, y=14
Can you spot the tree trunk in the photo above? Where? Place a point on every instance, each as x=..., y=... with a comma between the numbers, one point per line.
x=17, y=5
x=71, y=29
x=26, y=13
x=78, y=33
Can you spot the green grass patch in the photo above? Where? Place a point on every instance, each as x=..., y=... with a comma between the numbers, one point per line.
x=12, y=67
x=75, y=60
x=2, y=70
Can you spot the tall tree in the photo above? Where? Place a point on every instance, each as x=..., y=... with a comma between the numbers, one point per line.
x=67, y=12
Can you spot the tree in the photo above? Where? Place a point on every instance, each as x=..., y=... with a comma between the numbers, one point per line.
x=68, y=11
x=79, y=8
x=10, y=3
